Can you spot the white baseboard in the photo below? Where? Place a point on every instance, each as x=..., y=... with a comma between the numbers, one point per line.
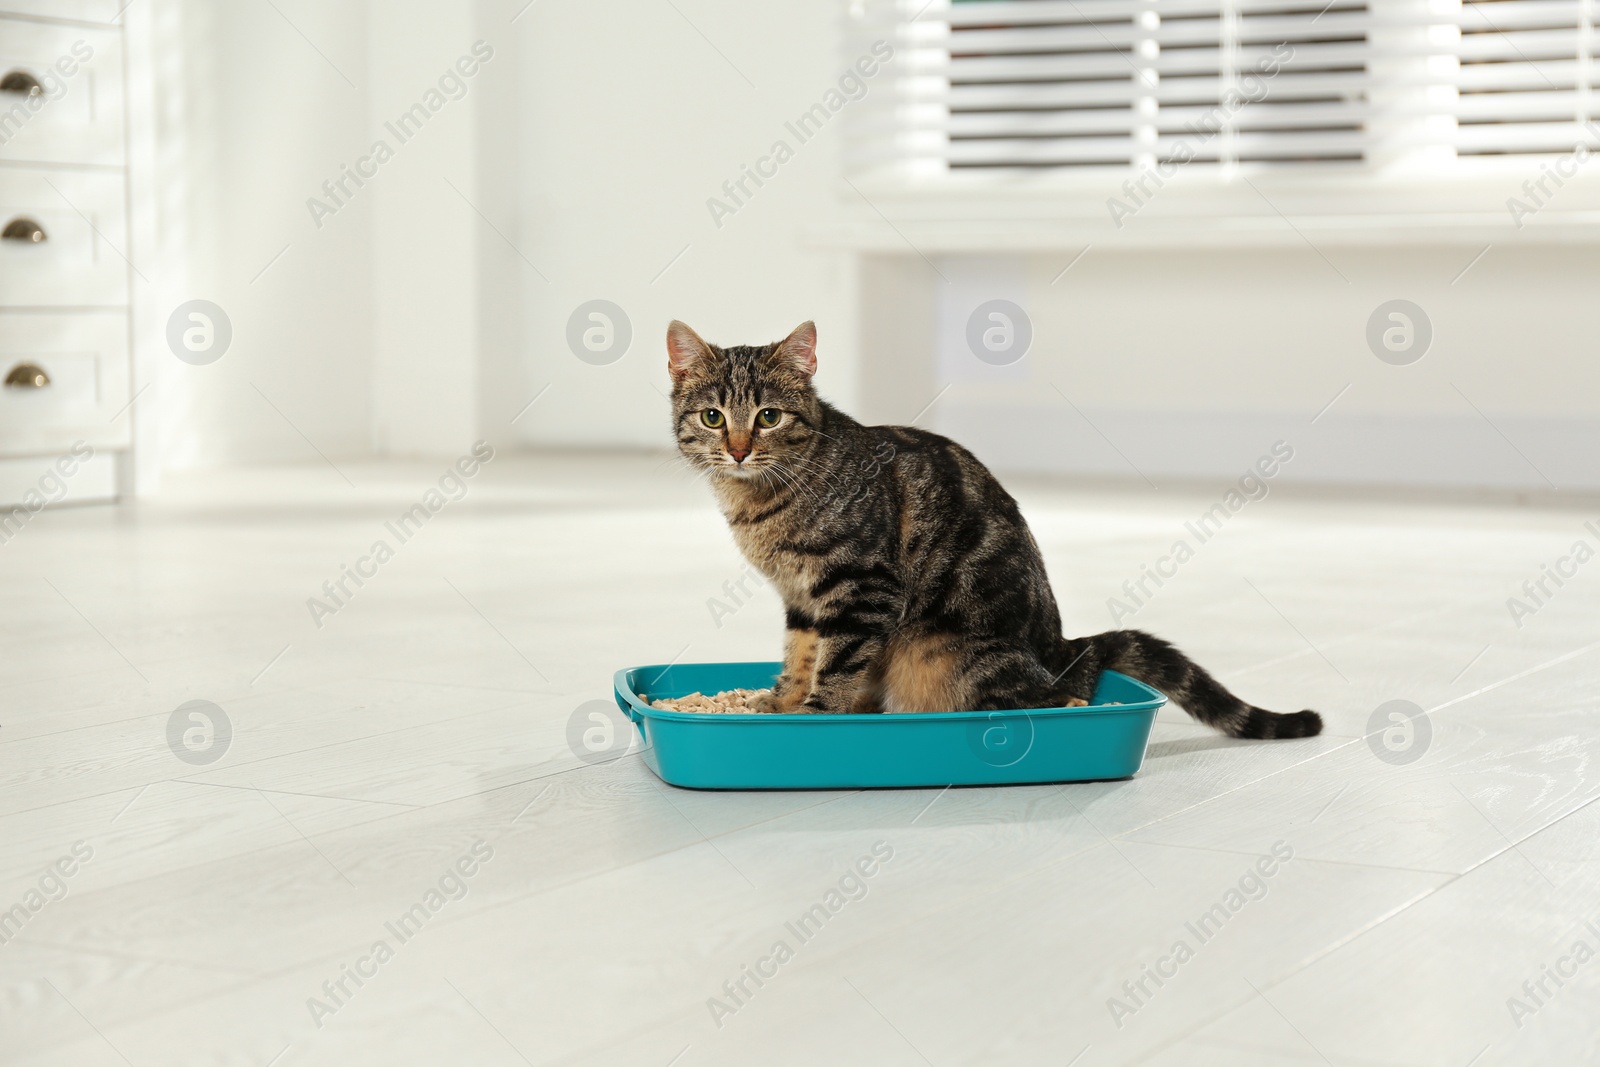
x=1387, y=450
x=26, y=480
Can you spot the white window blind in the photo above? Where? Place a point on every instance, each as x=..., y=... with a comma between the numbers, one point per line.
x=1007, y=85
x=1525, y=76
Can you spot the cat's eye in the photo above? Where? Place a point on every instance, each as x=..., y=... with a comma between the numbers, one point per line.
x=767, y=418
x=712, y=418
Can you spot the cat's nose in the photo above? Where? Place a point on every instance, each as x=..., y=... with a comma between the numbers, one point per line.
x=738, y=454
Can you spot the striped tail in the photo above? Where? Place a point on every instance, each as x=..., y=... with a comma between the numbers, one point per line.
x=1158, y=664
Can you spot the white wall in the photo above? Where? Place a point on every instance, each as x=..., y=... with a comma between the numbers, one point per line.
x=632, y=121
x=412, y=321
x=425, y=227
x=419, y=316
x=1191, y=364
x=378, y=328
x=249, y=122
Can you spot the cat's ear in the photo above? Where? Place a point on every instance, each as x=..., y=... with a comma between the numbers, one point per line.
x=684, y=350
x=798, y=351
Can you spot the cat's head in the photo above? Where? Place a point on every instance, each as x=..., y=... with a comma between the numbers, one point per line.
x=741, y=410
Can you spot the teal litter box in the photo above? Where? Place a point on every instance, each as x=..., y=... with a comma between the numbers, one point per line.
x=1103, y=740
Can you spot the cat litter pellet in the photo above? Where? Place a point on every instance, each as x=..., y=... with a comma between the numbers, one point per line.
x=738, y=702
x=732, y=702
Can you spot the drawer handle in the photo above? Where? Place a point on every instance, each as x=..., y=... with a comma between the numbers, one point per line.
x=27, y=376
x=25, y=230
x=20, y=81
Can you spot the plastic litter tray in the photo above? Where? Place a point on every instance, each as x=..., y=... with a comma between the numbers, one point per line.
x=1103, y=740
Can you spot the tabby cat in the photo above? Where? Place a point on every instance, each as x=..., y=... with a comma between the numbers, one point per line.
x=909, y=579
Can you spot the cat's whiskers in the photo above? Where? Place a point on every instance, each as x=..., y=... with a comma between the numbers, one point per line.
x=682, y=469
x=699, y=473
x=769, y=464
x=797, y=483
x=790, y=482
x=766, y=478
x=765, y=465
x=816, y=495
x=816, y=469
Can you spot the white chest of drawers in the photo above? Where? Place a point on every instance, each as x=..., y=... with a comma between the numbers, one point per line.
x=65, y=272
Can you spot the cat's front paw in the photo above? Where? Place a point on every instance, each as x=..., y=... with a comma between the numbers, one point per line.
x=769, y=704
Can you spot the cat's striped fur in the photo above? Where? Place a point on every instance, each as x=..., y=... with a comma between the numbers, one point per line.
x=910, y=580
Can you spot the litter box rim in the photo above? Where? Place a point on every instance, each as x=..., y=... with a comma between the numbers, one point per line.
x=637, y=706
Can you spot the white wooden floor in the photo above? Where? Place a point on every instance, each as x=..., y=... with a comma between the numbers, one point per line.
x=432, y=712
